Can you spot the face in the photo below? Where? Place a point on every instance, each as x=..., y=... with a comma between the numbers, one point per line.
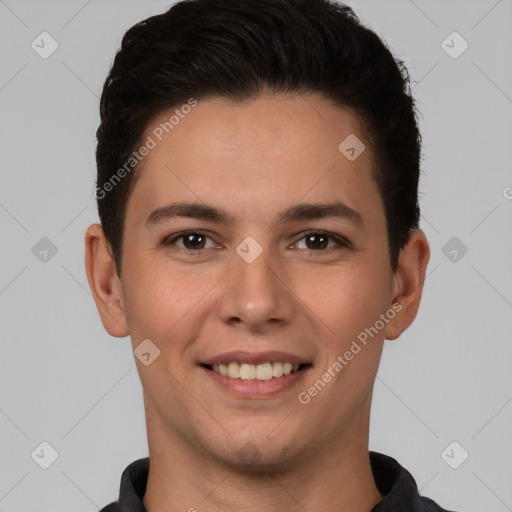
x=250, y=239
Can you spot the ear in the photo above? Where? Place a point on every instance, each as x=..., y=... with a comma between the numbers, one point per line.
x=409, y=281
x=104, y=282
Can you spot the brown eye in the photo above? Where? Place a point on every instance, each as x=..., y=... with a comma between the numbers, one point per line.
x=189, y=241
x=194, y=241
x=317, y=241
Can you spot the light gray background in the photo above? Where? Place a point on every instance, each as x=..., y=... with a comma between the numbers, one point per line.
x=64, y=380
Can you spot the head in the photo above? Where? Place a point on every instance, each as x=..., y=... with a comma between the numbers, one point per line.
x=236, y=114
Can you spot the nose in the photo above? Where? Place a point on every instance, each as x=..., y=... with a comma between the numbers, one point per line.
x=256, y=294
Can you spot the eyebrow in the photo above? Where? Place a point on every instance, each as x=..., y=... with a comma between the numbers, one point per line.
x=299, y=212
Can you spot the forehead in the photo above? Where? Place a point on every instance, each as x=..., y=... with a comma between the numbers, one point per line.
x=266, y=125
x=273, y=150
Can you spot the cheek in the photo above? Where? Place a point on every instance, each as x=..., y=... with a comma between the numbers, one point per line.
x=159, y=297
x=346, y=300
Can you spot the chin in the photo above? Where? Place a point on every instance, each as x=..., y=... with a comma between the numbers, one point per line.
x=257, y=453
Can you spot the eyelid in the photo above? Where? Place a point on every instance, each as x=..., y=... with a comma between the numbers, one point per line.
x=338, y=239
x=171, y=239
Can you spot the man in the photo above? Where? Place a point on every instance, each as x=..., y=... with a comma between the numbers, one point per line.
x=258, y=167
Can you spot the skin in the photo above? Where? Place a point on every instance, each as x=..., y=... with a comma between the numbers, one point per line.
x=254, y=160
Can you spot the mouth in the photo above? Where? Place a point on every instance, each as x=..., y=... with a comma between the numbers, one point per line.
x=256, y=372
x=249, y=375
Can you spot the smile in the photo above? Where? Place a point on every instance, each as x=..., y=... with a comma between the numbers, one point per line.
x=264, y=371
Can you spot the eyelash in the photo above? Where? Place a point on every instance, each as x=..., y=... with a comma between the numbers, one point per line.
x=342, y=242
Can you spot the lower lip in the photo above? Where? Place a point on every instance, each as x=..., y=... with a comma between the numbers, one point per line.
x=256, y=388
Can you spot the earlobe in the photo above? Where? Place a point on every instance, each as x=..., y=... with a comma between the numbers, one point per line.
x=104, y=282
x=409, y=282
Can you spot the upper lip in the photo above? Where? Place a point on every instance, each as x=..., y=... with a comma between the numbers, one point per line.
x=240, y=356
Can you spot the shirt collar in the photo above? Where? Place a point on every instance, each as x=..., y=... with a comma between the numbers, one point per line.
x=393, y=481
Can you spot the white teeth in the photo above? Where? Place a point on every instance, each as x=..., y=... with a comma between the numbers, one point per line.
x=247, y=371
x=264, y=371
x=278, y=369
x=234, y=370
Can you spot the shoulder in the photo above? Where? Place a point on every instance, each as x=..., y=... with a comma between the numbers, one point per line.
x=113, y=507
x=398, y=488
x=132, y=488
x=428, y=505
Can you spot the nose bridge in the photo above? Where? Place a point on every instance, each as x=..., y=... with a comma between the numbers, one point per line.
x=258, y=276
x=256, y=293
x=255, y=277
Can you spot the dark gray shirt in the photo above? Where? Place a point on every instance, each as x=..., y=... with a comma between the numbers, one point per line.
x=393, y=481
